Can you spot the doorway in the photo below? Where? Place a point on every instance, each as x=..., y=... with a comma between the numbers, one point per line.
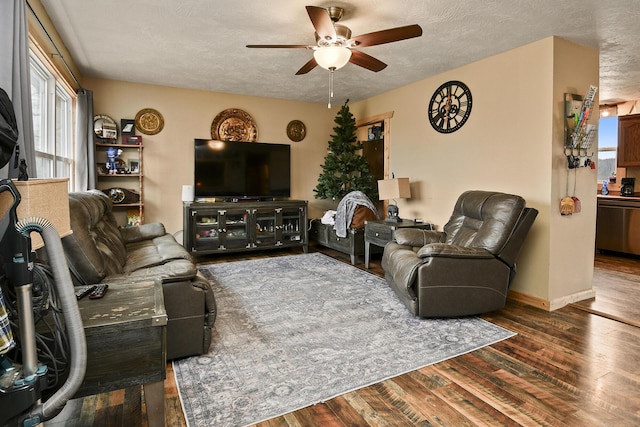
x=376, y=150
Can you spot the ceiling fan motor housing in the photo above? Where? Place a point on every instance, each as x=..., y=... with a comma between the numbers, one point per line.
x=335, y=13
x=343, y=34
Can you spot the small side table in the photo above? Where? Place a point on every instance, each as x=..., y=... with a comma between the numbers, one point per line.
x=126, y=343
x=381, y=232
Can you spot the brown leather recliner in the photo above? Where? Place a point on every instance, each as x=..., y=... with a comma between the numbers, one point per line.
x=467, y=268
x=99, y=251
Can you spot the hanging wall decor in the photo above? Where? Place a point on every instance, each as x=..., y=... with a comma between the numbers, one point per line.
x=149, y=121
x=296, y=130
x=234, y=124
x=450, y=106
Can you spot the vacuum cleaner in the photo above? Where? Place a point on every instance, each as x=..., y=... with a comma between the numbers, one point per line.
x=22, y=382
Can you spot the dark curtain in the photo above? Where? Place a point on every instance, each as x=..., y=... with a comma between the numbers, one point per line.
x=85, y=158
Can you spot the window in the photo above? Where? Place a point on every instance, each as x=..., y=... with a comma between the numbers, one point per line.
x=607, y=147
x=52, y=106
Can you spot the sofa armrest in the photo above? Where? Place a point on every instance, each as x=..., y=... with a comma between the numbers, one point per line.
x=210, y=307
x=452, y=251
x=417, y=238
x=209, y=298
x=142, y=232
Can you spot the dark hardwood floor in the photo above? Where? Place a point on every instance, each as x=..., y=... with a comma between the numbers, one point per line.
x=570, y=367
x=616, y=281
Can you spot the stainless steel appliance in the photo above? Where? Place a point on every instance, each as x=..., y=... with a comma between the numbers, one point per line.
x=618, y=225
x=627, y=186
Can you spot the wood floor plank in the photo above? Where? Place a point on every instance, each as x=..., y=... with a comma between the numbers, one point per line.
x=569, y=367
x=345, y=412
x=318, y=415
x=391, y=410
x=432, y=410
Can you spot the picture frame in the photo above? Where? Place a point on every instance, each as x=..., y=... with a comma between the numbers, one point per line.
x=133, y=217
x=132, y=139
x=134, y=166
x=127, y=126
x=374, y=133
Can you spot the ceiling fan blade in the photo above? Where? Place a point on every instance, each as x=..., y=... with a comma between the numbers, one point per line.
x=307, y=67
x=388, y=36
x=366, y=61
x=322, y=22
x=277, y=46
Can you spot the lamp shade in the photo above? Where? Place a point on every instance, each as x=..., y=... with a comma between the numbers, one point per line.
x=41, y=198
x=332, y=57
x=187, y=193
x=396, y=188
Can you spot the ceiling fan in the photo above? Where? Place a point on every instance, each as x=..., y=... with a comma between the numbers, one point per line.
x=335, y=46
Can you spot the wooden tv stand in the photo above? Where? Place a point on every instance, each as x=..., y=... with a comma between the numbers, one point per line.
x=215, y=227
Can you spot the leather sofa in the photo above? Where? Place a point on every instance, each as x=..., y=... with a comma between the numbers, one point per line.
x=99, y=251
x=467, y=268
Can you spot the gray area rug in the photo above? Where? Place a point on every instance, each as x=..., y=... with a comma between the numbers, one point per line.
x=296, y=330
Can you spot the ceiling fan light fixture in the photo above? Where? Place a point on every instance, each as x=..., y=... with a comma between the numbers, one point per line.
x=332, y=57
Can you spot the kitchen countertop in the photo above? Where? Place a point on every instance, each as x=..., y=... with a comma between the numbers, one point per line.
x=618, y=201
x=614, y=197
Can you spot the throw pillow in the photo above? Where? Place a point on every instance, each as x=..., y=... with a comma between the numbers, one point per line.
x=360, y=215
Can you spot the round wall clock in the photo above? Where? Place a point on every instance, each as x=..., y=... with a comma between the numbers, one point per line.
x=450, y=106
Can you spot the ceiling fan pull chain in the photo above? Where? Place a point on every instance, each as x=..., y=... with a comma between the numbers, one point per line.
x=330, y=87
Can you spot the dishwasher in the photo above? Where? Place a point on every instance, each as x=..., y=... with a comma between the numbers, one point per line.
x=618, y=225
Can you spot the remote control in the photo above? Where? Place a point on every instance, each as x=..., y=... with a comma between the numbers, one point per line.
x=84, y=291
x=99, y=291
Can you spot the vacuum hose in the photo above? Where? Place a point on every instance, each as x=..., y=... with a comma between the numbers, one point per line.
x=75, y=331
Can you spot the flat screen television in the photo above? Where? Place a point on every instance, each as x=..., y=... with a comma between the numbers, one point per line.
x=242, y=170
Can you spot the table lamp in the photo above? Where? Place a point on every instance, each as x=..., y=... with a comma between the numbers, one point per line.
x=392, y=189
x=41, y=198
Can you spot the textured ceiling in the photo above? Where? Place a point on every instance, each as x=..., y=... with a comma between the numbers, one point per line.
x=200, y=44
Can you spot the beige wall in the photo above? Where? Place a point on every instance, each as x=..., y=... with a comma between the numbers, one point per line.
x=512, y=142
x=188, y=114
x=572, y=240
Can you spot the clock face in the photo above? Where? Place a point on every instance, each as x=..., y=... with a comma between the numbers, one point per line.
x=450, y=107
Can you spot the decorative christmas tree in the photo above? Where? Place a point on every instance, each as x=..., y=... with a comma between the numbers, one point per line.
x=344, y=169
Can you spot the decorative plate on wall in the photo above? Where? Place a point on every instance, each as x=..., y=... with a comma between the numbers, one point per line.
x=233, y=124
x=149, y=121
x=296, y=130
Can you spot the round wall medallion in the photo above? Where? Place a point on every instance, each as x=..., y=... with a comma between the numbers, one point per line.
x=233, y=124
x=296, y=130
x=149, y=121
x=450, y=107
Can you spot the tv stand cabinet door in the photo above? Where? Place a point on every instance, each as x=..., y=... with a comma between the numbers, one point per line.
x=293, y=226
x=267, y=227
x=235, y=232
x=202, y=230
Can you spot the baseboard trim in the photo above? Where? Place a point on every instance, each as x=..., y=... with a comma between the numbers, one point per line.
x=551, y=305
x=529, y=300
